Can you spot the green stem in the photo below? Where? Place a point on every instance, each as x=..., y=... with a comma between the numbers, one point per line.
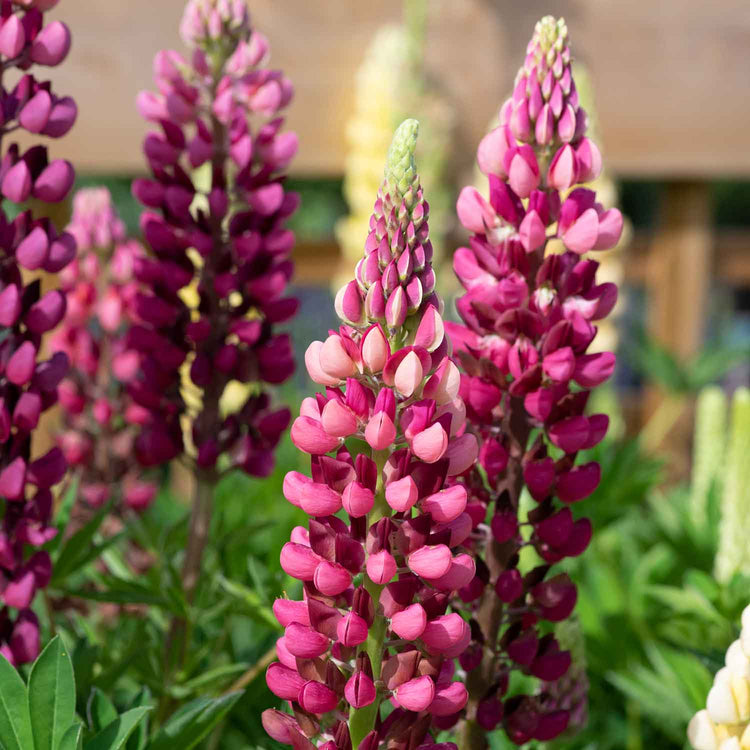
x=362, y=720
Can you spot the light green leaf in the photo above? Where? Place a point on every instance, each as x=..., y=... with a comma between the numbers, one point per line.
x=191, y=723
x=72, y=739
x=688, y=601
x=218, y=675
x=15, y=721
x=115, y=735
x=251, y=601
x=52, y=696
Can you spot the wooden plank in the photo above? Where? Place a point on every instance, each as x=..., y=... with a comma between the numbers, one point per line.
x=730, y=254
x=671, y=77
x=679, y=268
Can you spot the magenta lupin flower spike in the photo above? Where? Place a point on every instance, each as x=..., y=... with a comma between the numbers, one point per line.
x=225, y=244
x=527, y=371
x=375, y=627
x=100, y=422
x=28, y=382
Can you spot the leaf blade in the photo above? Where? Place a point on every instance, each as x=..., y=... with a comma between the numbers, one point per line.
x=15, y=719
x=115, y=735
x=51, y=696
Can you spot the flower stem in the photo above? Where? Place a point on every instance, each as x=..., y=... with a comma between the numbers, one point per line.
x=200, y=524
x=362, y=720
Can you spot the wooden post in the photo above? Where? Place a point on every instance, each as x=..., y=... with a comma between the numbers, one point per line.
x=679, y=275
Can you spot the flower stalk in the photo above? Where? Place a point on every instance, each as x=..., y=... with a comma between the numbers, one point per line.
x=215, y=282
x=385, y=438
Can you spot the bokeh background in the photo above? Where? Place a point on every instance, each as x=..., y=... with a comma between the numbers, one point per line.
x=667, y=85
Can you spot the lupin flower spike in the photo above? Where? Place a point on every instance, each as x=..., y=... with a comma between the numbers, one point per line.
x=220, y=260
x=99, y=421
x=28, y=383
x=527, y=371
x=375, y=626
x=725, y=722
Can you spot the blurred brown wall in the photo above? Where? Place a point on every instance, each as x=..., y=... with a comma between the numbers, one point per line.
x=672, y=77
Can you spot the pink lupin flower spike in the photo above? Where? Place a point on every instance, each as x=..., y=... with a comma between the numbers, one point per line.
x=28, y=383
x=385, y=438
x=226, y=245
x=101, y=294
x=527, y=368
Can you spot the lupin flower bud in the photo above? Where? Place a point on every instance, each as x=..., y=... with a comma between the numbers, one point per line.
x=99, y=428
x=28, y=383
x=385, y=440
x=530, y=318
x=725, y=722
x=709, y=445
x=394, y=281
x=733, y=555
x=219, y=264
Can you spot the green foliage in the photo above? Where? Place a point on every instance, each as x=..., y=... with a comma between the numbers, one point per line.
x=655, y=620
x=123, y=642
x=660, y=366
x=51, y=696
x=42, y=714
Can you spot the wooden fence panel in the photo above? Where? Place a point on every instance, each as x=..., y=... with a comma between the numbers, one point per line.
x=671, y=77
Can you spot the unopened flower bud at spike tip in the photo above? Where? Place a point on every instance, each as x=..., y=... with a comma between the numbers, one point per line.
x=401, y=167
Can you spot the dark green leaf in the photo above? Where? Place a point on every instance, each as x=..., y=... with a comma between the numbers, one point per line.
x=139, y=738
x=75, y=552
x=119, y=591
x=62, y=514
x=52, y=696
x=100, y=711
x=191, y=723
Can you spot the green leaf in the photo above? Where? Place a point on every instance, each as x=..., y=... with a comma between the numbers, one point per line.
x=711, y=364
x=219, y=675
x=251, y=602
x=52, y=696
x=191, y=723
x=126, y=592
x=15, y=721
x=687, y=601
x=139, y=738
x=62, y=514
x=72, y=739
x=658, y=363
x=76, y=551
x=115, y=735
x=100, y=710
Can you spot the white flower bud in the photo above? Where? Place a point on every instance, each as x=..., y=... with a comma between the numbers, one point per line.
x=701, y=732
x=737, y=661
